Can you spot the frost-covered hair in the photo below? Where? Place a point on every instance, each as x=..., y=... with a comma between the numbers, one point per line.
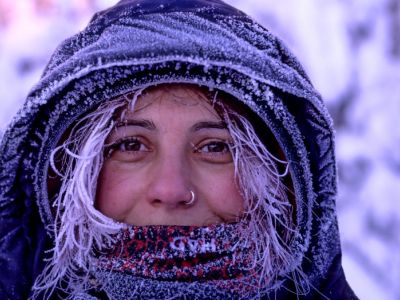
x=268, y=210
x=80, y=229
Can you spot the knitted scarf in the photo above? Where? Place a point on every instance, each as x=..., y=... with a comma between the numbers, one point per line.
x=157, y=262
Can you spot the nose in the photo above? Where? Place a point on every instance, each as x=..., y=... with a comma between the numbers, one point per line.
x=170, y=183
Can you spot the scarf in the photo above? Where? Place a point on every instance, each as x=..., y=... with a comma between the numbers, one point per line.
x=173, y=262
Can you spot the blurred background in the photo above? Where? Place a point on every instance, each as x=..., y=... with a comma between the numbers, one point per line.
x=350, y=49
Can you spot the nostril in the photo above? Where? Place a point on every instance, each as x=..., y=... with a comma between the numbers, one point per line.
x=156, y=202
x=159, y=202
x=177, y=203
x=184, y=203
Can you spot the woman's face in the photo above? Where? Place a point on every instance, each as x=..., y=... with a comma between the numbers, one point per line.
x=171, y=144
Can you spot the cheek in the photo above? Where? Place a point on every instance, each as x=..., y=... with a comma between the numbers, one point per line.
x=222, y=194
x=114, y=194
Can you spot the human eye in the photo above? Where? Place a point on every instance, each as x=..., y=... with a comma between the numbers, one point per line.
x=126, y=148
x=214, y=147
x=214, y=150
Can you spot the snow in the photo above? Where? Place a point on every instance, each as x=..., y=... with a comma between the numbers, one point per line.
x=346, y=48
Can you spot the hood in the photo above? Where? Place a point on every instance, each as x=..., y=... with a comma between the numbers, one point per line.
x=140, y=43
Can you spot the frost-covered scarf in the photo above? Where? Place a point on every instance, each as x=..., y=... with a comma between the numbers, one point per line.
x=175, y=261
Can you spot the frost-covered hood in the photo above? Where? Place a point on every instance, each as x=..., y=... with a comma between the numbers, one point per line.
x=141, y=43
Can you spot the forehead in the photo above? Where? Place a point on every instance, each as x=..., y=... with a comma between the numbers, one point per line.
x=174, y=99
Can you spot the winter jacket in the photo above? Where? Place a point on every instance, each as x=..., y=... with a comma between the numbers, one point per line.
x=138, y=43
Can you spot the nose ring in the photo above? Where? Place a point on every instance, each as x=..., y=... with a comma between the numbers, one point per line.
x=192, y=198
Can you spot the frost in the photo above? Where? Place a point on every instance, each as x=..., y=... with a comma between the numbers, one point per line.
x=368, y=132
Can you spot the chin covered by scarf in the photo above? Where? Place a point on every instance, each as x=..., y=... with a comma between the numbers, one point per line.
x=163, y=262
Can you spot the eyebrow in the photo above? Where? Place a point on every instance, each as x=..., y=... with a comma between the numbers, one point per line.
x=147, y=124
x=209, y=125
x=139, y=123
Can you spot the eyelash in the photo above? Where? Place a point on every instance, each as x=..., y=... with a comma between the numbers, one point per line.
x=225, y=144
x=115, y=146
x=122, y=144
